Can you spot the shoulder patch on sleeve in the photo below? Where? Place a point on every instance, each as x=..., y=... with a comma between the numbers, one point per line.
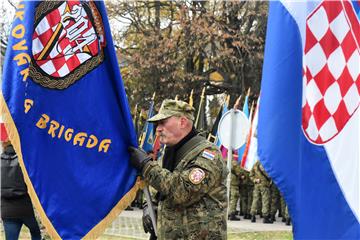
x=196, y=175
x=208, y=154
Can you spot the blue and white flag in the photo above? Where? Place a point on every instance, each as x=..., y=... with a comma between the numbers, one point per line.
x=67, y=115
x=245, y=110
x=309, y=131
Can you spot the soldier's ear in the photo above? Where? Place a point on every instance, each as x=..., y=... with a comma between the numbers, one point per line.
x=183, y=121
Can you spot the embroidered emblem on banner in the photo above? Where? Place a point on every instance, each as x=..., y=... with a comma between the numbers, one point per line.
x=331, y=77
x=208, y=154
x=67, y=42
x=196, y=175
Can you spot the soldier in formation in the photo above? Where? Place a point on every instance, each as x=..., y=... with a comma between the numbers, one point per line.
x=261, y=192
x=234, y=190
x=258, y=195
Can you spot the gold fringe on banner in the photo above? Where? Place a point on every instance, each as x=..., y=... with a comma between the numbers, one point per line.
x=102, y=225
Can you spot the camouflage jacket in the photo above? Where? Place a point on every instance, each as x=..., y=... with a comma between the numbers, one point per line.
x=259, y=176
x=195, y=203
x=235, y=173
x=245, y=178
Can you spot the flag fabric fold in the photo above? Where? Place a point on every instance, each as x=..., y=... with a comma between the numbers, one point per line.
x=308, y=130
x=66, y=113
x=250, y=155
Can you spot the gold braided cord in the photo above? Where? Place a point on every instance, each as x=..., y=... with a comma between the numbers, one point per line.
x=75, y=75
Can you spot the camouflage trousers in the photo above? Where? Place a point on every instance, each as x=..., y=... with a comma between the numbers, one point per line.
x=234, y=197
x=284, y=209
x=246, y=196
x=261, y=193
x=191, y=224
x=275, y=200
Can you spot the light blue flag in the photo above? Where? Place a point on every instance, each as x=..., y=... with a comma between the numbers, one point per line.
x=67, y=115
x=245, y=110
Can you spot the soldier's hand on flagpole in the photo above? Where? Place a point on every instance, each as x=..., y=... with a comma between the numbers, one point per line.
x=138, y=158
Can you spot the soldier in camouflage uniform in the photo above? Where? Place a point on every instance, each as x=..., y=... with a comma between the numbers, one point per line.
x=192, y=180
x=234, y=190
x=262, y=184
x=284, y=208
x=246, y=191
x=275, y=203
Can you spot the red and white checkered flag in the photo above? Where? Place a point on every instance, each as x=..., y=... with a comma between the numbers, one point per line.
x=331, y=70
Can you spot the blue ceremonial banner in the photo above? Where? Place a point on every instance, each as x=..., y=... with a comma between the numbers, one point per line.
x=67, y=115
x=308, y=129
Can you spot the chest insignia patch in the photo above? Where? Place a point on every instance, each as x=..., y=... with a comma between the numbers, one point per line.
x=196, y=175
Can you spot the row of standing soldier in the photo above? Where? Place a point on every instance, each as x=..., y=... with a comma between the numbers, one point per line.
x=256, y=193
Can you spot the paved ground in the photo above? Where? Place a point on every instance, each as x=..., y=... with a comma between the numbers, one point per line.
x=129, y=224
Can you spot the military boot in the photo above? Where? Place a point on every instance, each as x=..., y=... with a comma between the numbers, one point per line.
x=273, y=219
x=288, y=222
x=233, y=217
x=247, y=216
x=267, y=219
x=129, y=208
x=253, y=218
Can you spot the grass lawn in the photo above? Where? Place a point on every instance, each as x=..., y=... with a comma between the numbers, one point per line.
x=261, y=236
x=273, y=235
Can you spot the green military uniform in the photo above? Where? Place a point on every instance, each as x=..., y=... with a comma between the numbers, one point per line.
x=246, y=191
x=285, y=210
x=275, y=203
x=234, y=189
x=262, y=183
x=193, y=201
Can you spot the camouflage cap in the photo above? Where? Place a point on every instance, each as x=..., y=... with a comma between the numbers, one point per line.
x=171, y=107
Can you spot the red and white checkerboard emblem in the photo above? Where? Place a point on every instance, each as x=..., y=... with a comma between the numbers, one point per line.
x=66, y=38
x=331, y=78
x=196, y=175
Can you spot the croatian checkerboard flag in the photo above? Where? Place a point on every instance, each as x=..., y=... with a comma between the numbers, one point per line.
x=309, y=123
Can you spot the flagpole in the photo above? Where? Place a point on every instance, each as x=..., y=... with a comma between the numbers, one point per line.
x=191, y=100
x=200, y=106
x=251, y=110
x=248, y=92
x=229, y=157
x=237, y=102
x=146, y=188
